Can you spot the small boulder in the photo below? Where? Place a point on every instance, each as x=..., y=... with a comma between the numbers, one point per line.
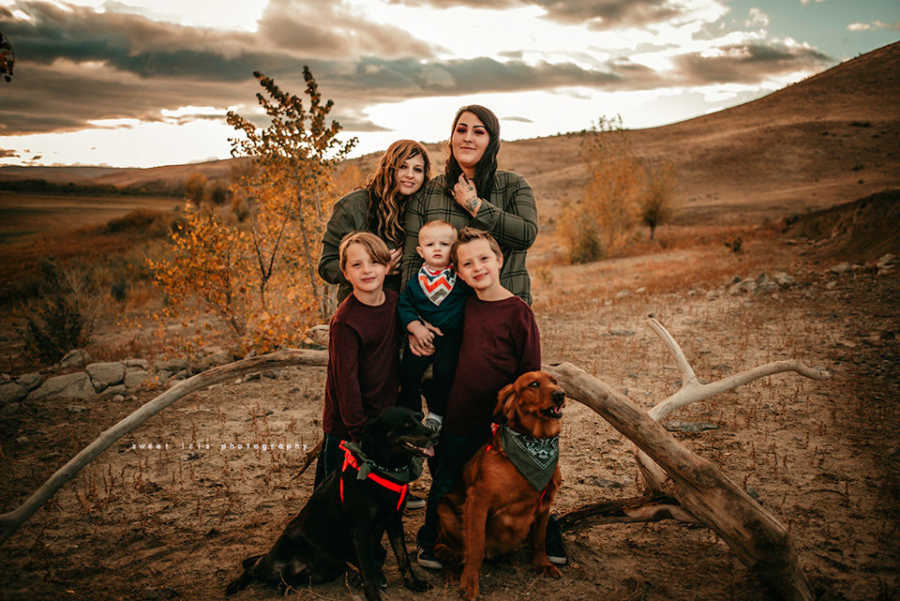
x=141, y=363
x=30, y=381
x=690, y=427
x=12, y=392
x=75, y=386
x=784, y=280
x=211, y=356
x=171, y=365
x=104, y=375
x=743, y=287
x=765, y=284
x=840, y=268
x=135, y=378
x=317, y=335
x=75, y=358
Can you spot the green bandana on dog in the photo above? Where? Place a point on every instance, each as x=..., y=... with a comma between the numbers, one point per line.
x=535, y=458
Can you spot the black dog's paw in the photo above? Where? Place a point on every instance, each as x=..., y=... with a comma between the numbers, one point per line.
x=416, y=585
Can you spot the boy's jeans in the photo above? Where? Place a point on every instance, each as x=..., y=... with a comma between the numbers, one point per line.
x=453, y=453
x=330, y=459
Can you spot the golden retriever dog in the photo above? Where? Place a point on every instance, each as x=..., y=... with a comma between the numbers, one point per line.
x=497, y=504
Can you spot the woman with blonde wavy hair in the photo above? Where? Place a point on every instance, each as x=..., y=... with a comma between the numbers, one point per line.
x=378, y=208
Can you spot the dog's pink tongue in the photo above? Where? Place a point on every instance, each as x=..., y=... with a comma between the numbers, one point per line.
x=428, y=451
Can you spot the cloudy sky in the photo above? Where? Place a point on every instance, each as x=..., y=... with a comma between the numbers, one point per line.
x=148, y=82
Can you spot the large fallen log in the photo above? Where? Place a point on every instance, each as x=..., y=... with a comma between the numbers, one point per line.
x=699, y=488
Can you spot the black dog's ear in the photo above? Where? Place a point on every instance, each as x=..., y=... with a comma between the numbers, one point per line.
x=503, y=411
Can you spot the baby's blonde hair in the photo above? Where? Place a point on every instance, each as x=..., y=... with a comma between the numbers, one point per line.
x=375, y=247
x=434, y=224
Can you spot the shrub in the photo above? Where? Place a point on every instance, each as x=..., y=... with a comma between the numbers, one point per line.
x=119, y=290
x=585, y=246
x=657, y=200
x=62, y=320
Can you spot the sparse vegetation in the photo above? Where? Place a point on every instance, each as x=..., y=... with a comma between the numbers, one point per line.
x=63, y=318
x=623, y=190
x=657, y=203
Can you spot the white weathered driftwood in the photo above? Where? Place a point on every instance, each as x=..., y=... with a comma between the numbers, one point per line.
x=692, y=390
x=10, y=521
x=699, y=488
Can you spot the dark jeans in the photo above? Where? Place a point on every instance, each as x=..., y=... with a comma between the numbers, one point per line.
x=330, y=459
x=436, y=390
x=455, y=451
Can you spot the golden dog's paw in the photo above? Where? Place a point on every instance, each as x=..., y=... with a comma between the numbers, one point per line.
x=468, y=586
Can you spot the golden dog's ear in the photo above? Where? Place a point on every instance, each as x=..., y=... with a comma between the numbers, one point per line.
x=503, y=411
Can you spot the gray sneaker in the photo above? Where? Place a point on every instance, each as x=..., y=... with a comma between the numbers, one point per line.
x=414, y=501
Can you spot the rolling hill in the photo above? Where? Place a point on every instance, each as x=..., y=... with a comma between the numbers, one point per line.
x=831, y=138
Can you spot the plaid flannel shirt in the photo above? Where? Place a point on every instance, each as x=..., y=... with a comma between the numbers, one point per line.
x=510, y=216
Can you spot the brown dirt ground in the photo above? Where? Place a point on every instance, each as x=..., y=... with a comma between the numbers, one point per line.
x=822, y=456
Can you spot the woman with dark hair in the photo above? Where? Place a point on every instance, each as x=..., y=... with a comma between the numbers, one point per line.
x=377, y=208
x=473, y=192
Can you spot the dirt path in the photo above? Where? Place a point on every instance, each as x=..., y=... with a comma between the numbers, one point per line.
x=822, y=456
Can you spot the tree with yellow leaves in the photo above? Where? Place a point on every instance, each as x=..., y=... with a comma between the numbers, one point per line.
x=259, y=272
x=622, y=191
x=295, y=157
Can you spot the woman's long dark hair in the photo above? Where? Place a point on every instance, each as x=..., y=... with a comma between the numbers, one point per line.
x=487, y=166
x=385, y=202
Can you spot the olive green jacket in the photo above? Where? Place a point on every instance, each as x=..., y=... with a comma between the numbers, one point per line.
x=510, y=215
x=348, y=215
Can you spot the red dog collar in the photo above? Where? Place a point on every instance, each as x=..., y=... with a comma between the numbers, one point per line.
x=351, y=461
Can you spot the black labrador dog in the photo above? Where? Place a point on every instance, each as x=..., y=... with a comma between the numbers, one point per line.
x=346, y=516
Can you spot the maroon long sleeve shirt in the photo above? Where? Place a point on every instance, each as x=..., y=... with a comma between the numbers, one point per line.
x=363, y=365
x=500, y=342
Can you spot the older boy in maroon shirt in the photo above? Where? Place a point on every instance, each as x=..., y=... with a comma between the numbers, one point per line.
x=364, y=335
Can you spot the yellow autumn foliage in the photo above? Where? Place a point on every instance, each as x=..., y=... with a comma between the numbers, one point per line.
x=258, y=273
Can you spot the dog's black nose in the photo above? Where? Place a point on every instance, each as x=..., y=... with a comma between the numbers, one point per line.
x=558, y=397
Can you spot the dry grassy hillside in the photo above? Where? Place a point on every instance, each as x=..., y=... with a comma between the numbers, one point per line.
x=828, y=139
x=54, y=174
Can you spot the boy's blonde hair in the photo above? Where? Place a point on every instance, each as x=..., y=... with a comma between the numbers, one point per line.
x=375, y=247
x=470, y=234
x=434, y=224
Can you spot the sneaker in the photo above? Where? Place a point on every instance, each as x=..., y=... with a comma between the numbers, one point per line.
x=426, y=559
x=556, y=552
x=382, y=580
x=433, y=422
x=414, y=501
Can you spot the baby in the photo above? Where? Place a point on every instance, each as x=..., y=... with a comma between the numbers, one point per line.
x=431, y=310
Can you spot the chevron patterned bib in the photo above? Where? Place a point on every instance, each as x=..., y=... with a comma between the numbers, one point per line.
x=436, y=285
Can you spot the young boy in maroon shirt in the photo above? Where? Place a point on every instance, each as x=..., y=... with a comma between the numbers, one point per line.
x=364, y=336
x=500, y=342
